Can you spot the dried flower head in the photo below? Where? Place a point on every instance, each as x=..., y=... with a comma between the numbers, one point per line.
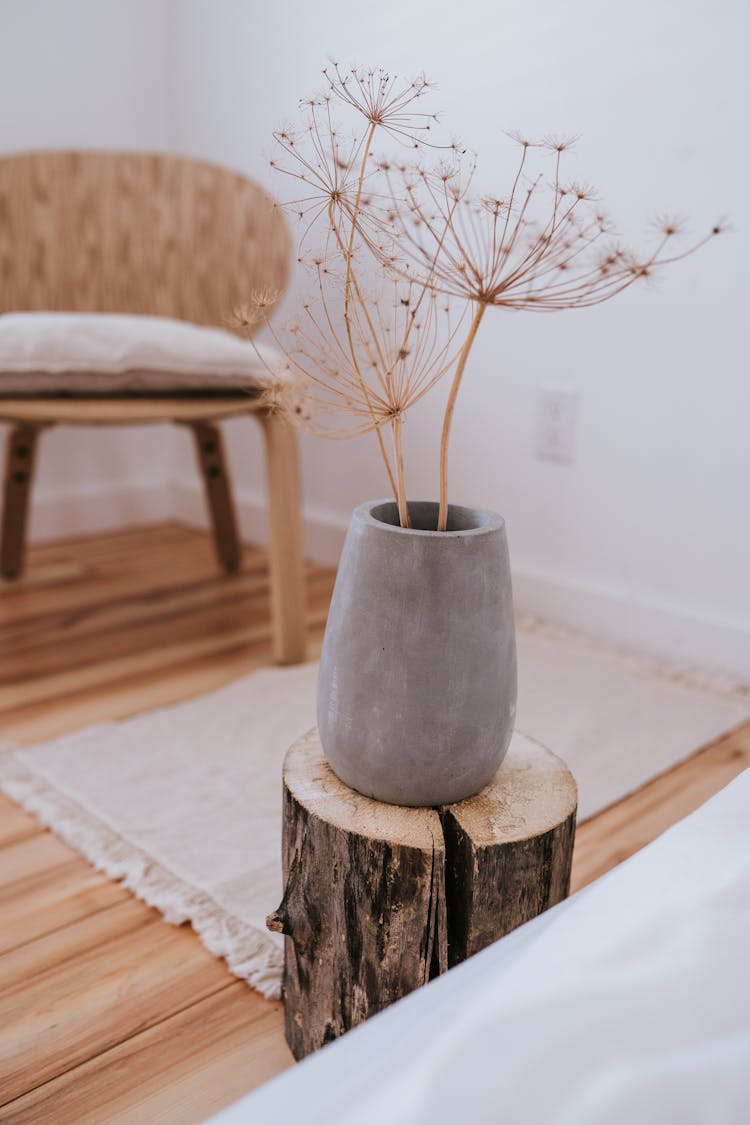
x=385, y=101
x=257, y=309
x=356, y=360
x=539, y=247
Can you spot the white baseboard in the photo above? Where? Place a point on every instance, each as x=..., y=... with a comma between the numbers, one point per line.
x=669, y=632
x=97, y=508
x=323, y=533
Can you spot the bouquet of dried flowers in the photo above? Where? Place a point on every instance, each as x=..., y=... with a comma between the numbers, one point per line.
x=407, y=260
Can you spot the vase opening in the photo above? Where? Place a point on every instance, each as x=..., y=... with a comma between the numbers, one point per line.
x=424, y=516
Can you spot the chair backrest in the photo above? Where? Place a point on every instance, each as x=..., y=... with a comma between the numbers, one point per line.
x=135, y=233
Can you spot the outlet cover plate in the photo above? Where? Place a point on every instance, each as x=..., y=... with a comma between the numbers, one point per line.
x=557, y=422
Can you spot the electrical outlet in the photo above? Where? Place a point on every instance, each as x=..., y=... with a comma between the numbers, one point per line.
x=557, y=422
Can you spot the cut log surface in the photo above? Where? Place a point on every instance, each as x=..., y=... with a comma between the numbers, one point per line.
x=379, y=899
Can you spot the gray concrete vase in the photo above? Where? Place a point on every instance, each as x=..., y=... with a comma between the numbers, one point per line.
x=417, y=684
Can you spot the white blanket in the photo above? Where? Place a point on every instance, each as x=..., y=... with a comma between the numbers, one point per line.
x=628, y=1003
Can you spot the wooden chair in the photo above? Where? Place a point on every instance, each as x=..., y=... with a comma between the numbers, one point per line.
x=163, y=236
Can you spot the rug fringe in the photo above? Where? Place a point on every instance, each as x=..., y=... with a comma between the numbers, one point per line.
x=251, y=954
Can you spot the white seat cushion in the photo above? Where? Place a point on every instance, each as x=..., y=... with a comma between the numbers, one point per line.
x=111, y=353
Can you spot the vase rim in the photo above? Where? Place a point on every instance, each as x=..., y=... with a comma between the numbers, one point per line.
x=476, y=521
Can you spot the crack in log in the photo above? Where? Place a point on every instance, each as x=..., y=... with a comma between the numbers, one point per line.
x=380, y=899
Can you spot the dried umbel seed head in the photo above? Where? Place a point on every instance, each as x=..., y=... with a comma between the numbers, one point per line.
x=556, y=142
x=361, y=353
x=385, y=101
x=540, y=247
x=669, y=225
x=257, y=309
x=287, y=394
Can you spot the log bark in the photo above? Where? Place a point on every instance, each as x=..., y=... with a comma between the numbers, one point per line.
x=509, y=850
x=380, y=899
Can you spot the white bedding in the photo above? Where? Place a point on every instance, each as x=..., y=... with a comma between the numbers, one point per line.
x=629, y=1003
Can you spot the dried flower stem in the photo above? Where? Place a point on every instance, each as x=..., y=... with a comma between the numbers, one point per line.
x=361, y=363
x=351, y=279
x=355, y=214
x=448, y=416
x=403, y=507
x=348, y=281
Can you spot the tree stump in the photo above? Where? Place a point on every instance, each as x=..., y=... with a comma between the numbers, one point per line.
x=379, y=899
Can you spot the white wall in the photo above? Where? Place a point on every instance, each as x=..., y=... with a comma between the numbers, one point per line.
x=645, y=536
x=89, y=74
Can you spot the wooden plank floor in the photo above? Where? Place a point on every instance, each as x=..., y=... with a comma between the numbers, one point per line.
x=108, y=1014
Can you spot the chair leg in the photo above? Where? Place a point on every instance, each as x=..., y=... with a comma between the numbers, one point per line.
x=18, y=476
x=218, y=493
x=285, y=528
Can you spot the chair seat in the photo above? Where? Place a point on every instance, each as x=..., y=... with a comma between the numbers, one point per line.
x=43, y=353
x=127, y=409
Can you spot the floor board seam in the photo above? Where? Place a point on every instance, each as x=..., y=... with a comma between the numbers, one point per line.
x=67, y=925
x=125, y=1039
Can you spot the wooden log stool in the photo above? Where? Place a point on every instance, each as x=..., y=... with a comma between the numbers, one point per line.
x=379, y=899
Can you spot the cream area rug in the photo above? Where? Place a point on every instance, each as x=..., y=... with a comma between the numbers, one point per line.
x=184, y=804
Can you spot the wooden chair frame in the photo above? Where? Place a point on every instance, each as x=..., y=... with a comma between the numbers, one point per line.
x=30, y=417
x=152, y=235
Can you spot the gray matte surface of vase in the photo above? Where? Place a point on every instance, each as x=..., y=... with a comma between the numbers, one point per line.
x=417, y=684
